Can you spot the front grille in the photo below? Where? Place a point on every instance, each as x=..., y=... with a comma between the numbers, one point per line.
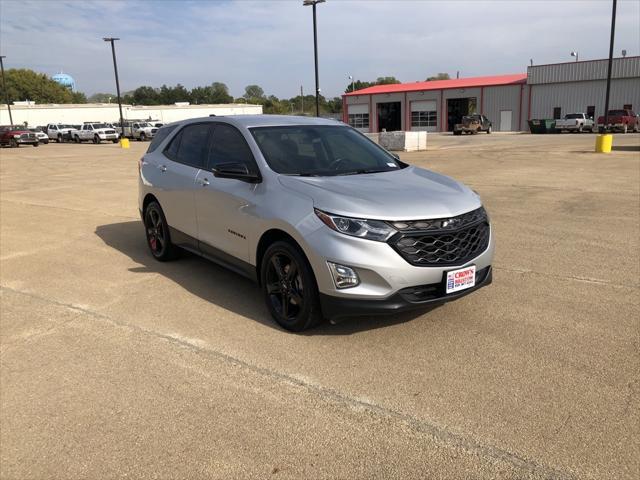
x=154, y=130
x=109, y=132
x=27, y=136
x=444, y=241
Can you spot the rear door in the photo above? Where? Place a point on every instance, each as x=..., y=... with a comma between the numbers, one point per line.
x=176, y=170
x=224, y=206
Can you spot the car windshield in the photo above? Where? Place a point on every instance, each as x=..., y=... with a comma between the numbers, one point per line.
x=144, y=124
x=571, y=116
x=317, y=150
x=100, y=125
x=617, y=113
x=65, y=126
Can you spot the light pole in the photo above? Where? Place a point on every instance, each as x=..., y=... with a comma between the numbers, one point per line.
x=6, y=92
x=313, y=3
x=613, y=34
x=575, y=54
x=353, y=88
x=115, y=68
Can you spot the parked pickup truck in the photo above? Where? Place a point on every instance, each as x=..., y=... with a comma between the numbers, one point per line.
x=575, y=122
x=139, y=130
x=16, y=136
x=59, y=131
x=473, y=124
x=95, y=132
x=621, y=120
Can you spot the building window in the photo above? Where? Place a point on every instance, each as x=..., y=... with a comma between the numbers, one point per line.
x=424, y=119
x=359, y=120
x=591, y=111
x=557, y=113
x=628, y=106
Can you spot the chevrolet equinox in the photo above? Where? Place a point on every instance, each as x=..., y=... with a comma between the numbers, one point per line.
x=327, y=222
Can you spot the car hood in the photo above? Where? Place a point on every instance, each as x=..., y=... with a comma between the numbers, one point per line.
x=410, y=193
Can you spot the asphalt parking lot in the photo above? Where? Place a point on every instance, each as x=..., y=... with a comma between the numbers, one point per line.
x=115, y=365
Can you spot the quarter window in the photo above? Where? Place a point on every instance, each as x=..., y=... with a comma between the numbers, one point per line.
x=160, y=135
x=424, y=119
x=359, y=120
x=229, y=146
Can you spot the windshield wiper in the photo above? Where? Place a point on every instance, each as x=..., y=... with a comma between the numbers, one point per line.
x=362, y=171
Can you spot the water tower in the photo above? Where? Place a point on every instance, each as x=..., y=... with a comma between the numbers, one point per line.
x=65, y=80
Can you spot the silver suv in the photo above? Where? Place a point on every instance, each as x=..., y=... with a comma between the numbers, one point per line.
x=327, y=222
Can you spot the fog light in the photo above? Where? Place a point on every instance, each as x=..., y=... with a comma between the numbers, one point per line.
x=343, y=277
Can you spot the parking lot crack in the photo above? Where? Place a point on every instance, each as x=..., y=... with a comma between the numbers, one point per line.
x=577, y=278
x=441, y=434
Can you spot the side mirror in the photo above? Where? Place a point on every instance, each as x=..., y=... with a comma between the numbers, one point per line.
x=395, y=155
x=238, y=171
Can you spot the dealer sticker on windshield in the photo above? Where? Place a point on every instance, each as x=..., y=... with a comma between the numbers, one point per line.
x=461, y=279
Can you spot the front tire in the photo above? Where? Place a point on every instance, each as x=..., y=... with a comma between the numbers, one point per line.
x=489, y=129
x=96, y=139
x=59, y=139
x=157, y=233
x=143, y=137
x=289, y=287
x=37, y=144
x=13, y=143
x=625, y=128
x=76, y=139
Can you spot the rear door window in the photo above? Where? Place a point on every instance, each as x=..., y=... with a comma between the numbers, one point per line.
x=190, y=145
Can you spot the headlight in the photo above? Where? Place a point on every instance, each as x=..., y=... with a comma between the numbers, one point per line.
x=16, y=136
x=369, y=229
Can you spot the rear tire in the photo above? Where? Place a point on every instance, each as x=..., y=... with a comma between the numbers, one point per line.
x=580, y=129
x=76, y=139
x=37, y=144
x=289, y=287
x=625, y=128
x=59, y=139
x=157, y=233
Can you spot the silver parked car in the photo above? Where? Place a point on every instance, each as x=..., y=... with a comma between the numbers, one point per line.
x=327, y=222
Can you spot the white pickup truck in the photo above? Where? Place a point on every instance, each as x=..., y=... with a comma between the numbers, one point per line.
x=576, y=122
x=59, y=131
x=139, y=130
x=95, y=132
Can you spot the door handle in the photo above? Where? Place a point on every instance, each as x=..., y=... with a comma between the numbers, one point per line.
x=163, y=168
x=204, y=182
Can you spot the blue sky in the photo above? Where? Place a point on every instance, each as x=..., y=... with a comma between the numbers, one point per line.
x=270, y=42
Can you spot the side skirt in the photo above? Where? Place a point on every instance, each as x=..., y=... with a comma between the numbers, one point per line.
x=213, y=254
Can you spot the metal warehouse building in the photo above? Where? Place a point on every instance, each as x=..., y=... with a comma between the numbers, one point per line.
x=545, y=91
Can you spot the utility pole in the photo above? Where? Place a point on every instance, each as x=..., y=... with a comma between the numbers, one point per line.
x=6, y=92
x=115, y=68
x=301, y=100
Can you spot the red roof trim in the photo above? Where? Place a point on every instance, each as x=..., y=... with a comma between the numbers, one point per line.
x=495, y=80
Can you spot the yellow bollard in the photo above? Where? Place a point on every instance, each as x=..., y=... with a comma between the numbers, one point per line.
x=603, y=143
x=124, y=143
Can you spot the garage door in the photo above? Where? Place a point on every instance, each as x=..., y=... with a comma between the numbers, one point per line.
x=423, y=106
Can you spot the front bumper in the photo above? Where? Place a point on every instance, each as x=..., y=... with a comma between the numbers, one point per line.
x=407, y=299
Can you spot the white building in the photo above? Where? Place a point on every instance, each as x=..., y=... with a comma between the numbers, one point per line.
x=42, y=114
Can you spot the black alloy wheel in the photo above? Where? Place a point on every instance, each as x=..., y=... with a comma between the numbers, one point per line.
x=289, y=287
x=96, y=139
x=157, y=232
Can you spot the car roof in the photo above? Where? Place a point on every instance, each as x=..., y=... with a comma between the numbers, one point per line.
x=249, y=121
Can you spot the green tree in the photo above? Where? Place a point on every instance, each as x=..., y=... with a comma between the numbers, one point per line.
x=78, y=97
x=386, y=80
x=24, y=84
x=254, y=93
x=439, y=76
x=358, y=85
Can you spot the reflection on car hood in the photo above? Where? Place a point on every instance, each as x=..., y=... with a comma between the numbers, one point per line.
x=410, y=193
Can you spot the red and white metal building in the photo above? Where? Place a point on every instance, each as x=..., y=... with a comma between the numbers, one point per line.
x=545, y=91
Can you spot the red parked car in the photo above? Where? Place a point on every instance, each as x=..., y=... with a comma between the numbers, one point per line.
x=622, y=120
x=16, y=136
